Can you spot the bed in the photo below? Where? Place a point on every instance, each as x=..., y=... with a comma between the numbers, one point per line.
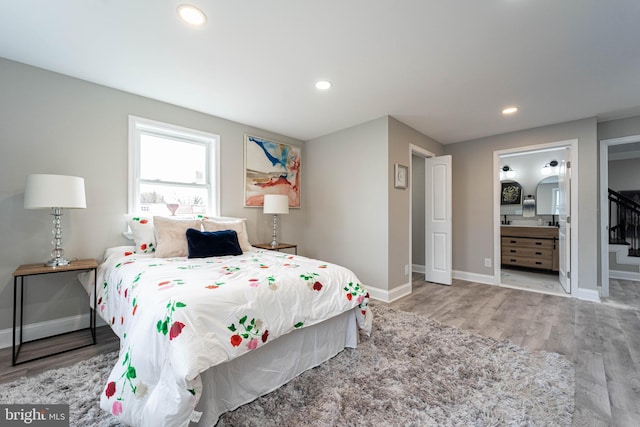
x=203, y=335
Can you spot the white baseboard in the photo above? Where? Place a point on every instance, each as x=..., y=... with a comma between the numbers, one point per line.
x=588, y=295
x=583, y=294
x=401, y=291
x=624, y=275
x=462, y=275
x=473, y=277
x=418, y=268
x=389, y=296
x=49, y=328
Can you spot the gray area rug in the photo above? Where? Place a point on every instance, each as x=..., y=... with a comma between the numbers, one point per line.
x=412, y=371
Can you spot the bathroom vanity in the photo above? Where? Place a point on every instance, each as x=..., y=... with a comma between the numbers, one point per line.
x=529, y=247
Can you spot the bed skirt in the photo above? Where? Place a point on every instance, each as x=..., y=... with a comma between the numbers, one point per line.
x=242, y=380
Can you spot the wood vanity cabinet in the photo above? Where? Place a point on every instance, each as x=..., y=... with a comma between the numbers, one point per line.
x=530, y=247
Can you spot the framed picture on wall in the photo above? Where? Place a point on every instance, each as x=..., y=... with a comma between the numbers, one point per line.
x=401, y=174
x=270, y=167
x=511, y=193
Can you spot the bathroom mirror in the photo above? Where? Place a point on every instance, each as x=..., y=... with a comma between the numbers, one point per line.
x=547, y=196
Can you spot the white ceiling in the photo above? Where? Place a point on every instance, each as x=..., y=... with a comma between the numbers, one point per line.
x=444, y=67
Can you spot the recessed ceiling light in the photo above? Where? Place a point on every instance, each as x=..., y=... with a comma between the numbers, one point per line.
x=510, y=110
x=323, y=84
x=191, y=15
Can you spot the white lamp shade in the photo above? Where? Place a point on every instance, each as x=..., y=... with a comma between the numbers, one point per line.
x=54, y=191
x=276, y=204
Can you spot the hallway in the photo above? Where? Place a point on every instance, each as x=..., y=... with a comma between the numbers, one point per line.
x=623, y=294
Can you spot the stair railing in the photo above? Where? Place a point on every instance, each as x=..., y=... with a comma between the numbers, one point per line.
x=624, y=222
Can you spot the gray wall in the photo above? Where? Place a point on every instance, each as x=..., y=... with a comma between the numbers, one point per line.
x=417, y=210
x=619, y=128
x=401, y=137
x=473, y=201
x=356, y=217
x=624, y=174
x=52, y=123
x=346, y=212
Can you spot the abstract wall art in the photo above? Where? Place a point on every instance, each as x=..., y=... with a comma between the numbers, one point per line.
x=270, y=167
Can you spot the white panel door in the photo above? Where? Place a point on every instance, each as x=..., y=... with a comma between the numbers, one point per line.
x=438, y=219
x=564, y=221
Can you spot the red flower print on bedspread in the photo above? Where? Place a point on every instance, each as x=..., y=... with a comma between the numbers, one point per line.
x=311, y=280
x=357, y=291
x=175, y=330
x=248, y=331
x=128, y=379
x=270, y=281
x=176, y=327
x=111, y=389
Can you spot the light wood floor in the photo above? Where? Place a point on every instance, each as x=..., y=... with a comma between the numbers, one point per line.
x=107, y=342
x=603, y=340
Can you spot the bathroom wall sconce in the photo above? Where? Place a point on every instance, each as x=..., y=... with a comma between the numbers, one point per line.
x=507, y=173
x=550, y=168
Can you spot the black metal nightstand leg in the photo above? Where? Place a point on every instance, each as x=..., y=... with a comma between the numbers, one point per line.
x=21, y=310
x=93, y=312
x=13, y=347
x=16, y=348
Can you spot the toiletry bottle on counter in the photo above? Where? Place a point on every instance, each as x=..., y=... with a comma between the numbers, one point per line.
x=539, y=221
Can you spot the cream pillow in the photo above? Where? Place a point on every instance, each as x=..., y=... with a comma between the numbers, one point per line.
x=171, y=236
x=238, y=225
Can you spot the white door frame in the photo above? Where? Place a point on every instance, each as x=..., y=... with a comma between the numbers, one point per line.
x=420, y=152
x=604, y=207
x=564, y=225
x=573, y=158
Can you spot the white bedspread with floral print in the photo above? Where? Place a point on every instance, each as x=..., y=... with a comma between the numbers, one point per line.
x=176, y=317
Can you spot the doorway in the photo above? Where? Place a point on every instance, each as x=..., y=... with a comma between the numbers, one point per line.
x=417, y=233
x=630, y=147
x=430, y=245
x=534, y=222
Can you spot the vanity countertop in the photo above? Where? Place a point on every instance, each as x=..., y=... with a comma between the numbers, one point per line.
x=542, y=231
x=528, y=226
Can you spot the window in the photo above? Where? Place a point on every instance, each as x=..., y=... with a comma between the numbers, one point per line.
x=172, y=170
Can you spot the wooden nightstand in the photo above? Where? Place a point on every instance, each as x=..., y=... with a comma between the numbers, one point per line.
x=278, y=248
x=39, y=269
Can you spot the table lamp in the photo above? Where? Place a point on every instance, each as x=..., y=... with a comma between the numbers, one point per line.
x=276, y=204
x=55, y=192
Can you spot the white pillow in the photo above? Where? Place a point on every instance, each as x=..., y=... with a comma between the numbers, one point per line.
x=236, y=224
x=171, y=236
x=143, y=235
x=118, y=251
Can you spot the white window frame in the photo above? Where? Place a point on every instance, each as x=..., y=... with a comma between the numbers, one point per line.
x=139, y=125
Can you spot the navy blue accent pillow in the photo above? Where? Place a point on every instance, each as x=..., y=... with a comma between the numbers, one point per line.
x=203, y=244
